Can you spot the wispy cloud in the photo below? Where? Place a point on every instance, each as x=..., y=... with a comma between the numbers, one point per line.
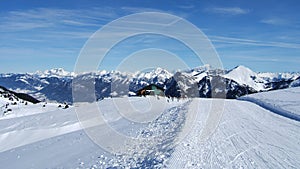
x=142, y=9
x=240, y=41
x=190, y=6
x=241, y=56
x=139, y=9
x=227, y=10
x=49, y=32
x=78, y=23
x=274, y=21
x=53, y=18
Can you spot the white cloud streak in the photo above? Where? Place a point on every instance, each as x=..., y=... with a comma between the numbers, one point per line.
x=227, y=10
x=190, y=6
x=140, y=9
x=53, y=18
x=274, y=21
x=239, y=41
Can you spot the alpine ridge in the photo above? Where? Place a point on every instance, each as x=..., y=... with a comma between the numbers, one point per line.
x=56, y=84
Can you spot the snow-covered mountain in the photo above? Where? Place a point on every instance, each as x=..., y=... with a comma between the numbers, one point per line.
x=244, y=76
x=204, y=81
x=58, y=72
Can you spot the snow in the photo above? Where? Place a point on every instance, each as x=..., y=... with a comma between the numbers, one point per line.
x=248, y=136
x=23, y=108
x=284, y=102
x=160, y=73
x=22, y=80
x=244, y=75
x=45, y=85
x=244, y=135
x=200, y=76
x=201, y=69
x=19, y=90
x=278, y=76
x=35, y=140
x=57, y=72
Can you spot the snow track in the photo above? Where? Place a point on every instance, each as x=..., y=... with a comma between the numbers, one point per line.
x=56, y=136
x=156, y=142
x=247, y=137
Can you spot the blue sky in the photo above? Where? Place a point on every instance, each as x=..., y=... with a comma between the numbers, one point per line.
x=263, y=35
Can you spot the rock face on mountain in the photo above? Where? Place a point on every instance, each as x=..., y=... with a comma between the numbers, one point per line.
x=59, y=85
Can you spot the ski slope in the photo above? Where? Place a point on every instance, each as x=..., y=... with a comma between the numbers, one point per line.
x=283, y=102
x=247, y=136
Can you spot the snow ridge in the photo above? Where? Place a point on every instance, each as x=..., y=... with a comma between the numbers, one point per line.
x=284, y=104
x=272, y=108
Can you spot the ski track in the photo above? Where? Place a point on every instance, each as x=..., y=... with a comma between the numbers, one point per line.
x=49, y=135
x=247, y=136
x=155, y=145
x=251, y=139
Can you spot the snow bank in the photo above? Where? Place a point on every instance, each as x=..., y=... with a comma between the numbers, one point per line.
x=283, y=102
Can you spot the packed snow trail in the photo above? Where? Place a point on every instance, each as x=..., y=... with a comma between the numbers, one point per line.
x=155, y=145
x=248, y=136
x=56, y=140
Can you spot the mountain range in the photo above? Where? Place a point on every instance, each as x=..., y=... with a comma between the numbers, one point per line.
x=57, y=84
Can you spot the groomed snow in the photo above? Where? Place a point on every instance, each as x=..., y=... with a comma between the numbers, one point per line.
x=248, y=136
x=284, y=102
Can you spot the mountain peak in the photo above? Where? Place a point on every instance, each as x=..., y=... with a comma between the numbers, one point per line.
x=246, y=76
x=60, y=72
x=242, y=67
x=202, y=68
x=160, y=71
x=242, y=70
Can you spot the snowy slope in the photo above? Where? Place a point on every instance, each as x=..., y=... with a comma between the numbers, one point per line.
x=11, y=106
x=55, y=139
x=284, y=102
x=248, y=136
x=245, y=76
